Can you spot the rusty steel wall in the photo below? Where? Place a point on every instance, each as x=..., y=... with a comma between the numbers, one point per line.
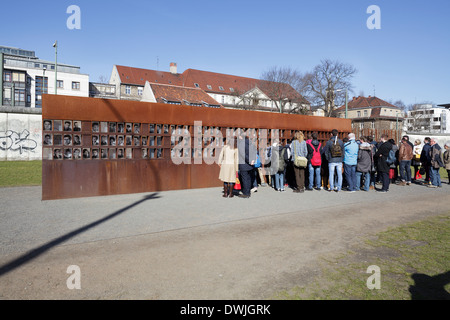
x=144, y=168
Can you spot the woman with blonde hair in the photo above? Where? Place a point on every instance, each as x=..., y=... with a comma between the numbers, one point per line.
x=417, y=151
x=299, y=149
x=228, y=162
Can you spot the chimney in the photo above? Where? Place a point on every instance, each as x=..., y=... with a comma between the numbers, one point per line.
x=173, y=68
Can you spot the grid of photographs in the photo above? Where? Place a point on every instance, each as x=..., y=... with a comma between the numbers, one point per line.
x=102, y=140
x=97, y=140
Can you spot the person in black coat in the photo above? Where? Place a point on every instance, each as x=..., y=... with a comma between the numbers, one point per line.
x=247, y=159
x=382, y=166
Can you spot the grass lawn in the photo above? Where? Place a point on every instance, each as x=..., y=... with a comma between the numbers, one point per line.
x=20, y=173
x=413, y=260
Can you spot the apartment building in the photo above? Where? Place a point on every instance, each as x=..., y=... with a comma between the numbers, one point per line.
x=25, y=78
x=428, y=118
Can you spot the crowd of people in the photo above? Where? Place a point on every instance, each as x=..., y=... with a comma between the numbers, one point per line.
x=351, y=164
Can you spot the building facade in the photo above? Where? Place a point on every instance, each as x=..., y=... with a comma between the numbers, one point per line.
x=25, y=78
x=228, y=91
x=428, y=118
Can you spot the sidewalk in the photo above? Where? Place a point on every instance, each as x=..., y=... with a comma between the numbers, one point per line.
x=27, y=221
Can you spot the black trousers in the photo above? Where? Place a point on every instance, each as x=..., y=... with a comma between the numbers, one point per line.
x=385, y=181
x=246, y=182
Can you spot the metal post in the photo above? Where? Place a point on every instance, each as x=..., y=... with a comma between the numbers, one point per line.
x=1, y=79
x=56, y=65
x=346, y=103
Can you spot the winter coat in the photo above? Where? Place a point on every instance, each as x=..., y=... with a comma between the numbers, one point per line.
x=247, y=154
x=416, y=151
x=396, y=150
x=351, y=149
x=364, y=158
x=381, y=156
x=275, y=157
x=327, y=150
x=228, y=161
x=405, y=152
x=436, y=156
x=425, y=155
x=447, y=159
x=315, y=144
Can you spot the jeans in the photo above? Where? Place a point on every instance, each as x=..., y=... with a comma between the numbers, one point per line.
x=312, y=171
x=435, y=177
x=405, y=170
x=279, y=180
x=350, y=176
x=367, y=180
x=332, y=166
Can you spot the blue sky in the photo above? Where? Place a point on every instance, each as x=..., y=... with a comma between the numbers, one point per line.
x=407, y=59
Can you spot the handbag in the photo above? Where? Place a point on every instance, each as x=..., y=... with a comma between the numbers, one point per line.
x=299, y=161
x=237, y=185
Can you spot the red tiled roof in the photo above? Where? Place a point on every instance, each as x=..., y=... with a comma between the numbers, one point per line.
x=205, y=80
x=366, y=102
x=181, y=94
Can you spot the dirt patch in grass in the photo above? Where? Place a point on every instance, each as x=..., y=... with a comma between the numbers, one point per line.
x=413, y=260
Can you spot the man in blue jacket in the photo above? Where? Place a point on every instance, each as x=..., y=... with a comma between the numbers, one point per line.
x=351, y=149
x=334, y=156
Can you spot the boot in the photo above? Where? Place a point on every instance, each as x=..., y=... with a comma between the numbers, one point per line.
x=225, y=190
x=230, y=190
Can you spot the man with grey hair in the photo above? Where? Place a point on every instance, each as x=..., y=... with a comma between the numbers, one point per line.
x=436, y=164
x=351, y=149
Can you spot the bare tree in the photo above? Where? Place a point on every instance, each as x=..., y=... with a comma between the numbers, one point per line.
x=323, y=83
x=283, y=87
x=103, y=79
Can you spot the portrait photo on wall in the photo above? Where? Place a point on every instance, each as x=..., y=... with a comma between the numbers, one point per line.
x=120, y=154
x=95, y=154
x=128, y=128
x=112, y=140
x=67, y=125
x=129, y=153
x=57, y=125
x=57, y=154
x=48, y=125
x=144, y=153
x=104, y=140
x=120, y=127
x=112, y=127
x=128, y=140
x=48, y=139
x=120, y=141
x=76, y=140
x=104, y=153
x=136, y=141
x=77, y=154
x=67, y=154
x=57, y=139
x=95, y=141
x=77, y=126
x=86, y=153
x=137, y=128
x=95, y=127
x=67, y=140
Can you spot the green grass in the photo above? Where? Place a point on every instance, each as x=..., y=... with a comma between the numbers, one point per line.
x=20, y=173
x=414, y=262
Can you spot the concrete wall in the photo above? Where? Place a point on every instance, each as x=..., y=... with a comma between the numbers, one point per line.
x=20, y=134
x=441, y=138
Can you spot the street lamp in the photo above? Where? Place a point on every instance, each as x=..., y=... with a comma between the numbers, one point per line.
x=55, y=45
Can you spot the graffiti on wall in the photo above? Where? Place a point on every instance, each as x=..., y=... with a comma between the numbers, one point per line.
x=14, y=141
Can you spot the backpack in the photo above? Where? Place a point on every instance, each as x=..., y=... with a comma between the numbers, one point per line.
x=336, y=150
x=281, y=162
x=316, y=159
x=391, y=157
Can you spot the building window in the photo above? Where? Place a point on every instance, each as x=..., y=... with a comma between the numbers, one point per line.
x=140, y=91
x=220, y=88
x=196, y=85
x=75, y=85
x=231, y=90
x=359, y=114
x=209, y=87
x=128, y=90
x=60, y=84
x=7, y=77
x=365, y=113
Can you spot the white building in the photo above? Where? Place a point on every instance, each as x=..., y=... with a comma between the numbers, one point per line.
x=428, y=118
x=26, y=77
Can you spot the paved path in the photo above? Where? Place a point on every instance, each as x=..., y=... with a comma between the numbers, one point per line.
x=189, y=244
